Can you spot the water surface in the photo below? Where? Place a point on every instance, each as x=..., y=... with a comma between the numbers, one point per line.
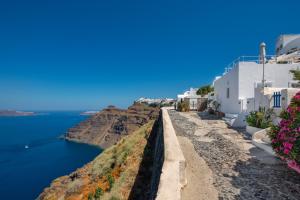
x=32, y=155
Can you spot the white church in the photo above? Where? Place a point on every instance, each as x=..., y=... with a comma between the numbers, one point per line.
x=250, y=81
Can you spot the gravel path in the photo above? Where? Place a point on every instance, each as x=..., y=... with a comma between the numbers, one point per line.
x=240, y=170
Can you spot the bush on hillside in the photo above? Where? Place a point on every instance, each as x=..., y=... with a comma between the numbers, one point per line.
x=117, y=167
x=98, y=193
x=183, y=106
x=296, y=74
x=285, y=136
x=261, y=118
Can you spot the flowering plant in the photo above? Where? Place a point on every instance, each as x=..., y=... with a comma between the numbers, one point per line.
x=285, y=136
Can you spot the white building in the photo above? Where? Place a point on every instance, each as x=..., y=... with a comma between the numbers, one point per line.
x=149, y=101
x=287, y=44
x=235, y=90
x=265, y=98
x=190, y=96
x=237, y=85
x=191, y=92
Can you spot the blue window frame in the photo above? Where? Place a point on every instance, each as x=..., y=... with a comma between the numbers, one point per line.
x=276, y=100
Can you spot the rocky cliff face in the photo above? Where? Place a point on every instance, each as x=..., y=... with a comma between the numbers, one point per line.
x=113, y=173
x=111, y=124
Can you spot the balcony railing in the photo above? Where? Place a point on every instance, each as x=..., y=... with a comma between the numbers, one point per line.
x=255, y=59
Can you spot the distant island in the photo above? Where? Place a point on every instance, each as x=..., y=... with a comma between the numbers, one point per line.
x=15, y=113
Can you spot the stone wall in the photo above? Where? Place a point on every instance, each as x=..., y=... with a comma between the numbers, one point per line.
x=173, y=175
x=168, y=176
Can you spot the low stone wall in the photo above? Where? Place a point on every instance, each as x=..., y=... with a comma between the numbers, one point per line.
x=262, y=141
x=173, y=176
x=251, y=130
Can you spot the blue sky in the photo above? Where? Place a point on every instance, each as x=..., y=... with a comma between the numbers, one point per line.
x=77, y=55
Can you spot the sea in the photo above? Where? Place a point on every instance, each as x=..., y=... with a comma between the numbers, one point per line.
x=32, y=153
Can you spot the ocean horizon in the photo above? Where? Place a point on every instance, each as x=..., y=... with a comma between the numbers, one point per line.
x=32, y=153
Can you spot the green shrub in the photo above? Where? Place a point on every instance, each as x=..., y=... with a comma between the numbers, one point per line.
x=261, y=118
x=98, y=193
x=111, y=180
x=204, y=90
x=183, y=106
x=90, y=197
x=296, y=74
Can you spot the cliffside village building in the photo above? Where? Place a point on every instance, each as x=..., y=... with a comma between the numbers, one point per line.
x=254, y=81
x=195, y=101
x=149, y=101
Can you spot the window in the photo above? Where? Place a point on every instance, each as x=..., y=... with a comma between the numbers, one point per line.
x=276, y=99
x=227, y=93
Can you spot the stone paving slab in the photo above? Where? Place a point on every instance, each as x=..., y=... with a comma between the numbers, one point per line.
x=240, y=170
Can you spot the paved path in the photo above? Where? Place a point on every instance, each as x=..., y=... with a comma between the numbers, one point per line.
x=239, y=170
x=200, y=180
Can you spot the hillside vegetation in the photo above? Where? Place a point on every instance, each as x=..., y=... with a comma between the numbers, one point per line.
x=110, y=176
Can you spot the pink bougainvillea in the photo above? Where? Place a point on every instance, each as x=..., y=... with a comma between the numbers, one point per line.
x=285, y=136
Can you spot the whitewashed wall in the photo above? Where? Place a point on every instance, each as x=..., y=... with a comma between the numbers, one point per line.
x=243, y=79
x=291, y=45
x=288, y=42
x=287, y=95
x=264, y=98
x=229, y=80
x=250, y=105
x=250, y=73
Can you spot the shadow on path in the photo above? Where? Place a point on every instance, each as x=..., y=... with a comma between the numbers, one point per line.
x=207, y=116
x=265, y=177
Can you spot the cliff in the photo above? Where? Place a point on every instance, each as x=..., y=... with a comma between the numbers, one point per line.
x=122, y=171
x=111, y=124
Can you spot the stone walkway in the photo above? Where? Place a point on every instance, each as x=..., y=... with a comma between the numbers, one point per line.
x=239, y=169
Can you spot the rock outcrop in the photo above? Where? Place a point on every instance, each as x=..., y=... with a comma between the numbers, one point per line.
x=111, y=124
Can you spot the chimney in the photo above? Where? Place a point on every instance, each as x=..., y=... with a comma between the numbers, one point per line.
x=262, y=53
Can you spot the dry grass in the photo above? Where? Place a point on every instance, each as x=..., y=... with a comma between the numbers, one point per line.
x=121, y=162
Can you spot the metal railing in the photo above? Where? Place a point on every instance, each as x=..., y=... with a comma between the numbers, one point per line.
x=256, y=59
